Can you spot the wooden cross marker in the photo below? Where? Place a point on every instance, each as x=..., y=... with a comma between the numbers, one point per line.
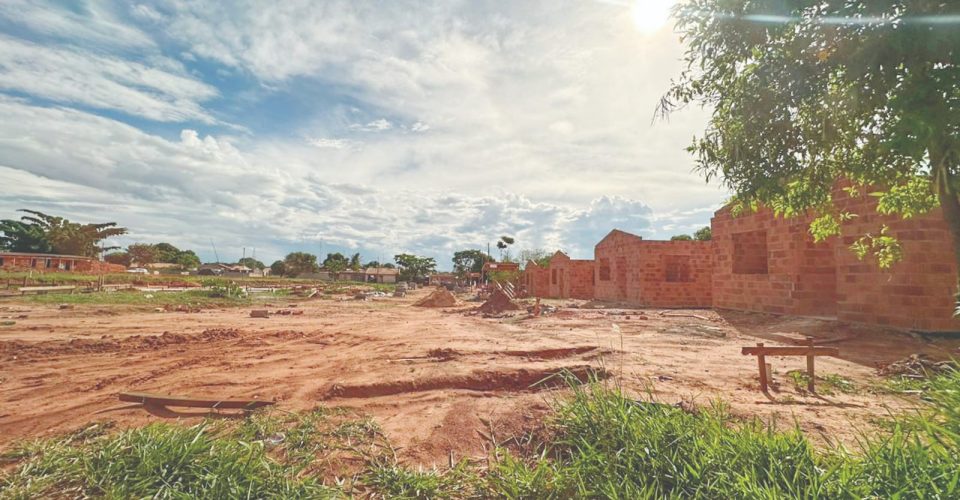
x=810, y=351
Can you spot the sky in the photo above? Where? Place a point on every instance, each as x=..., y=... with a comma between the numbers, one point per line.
x=372, y=127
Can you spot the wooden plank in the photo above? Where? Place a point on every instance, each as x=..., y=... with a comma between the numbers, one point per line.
x=45, y=288
x=790, y=351
x=168, y=400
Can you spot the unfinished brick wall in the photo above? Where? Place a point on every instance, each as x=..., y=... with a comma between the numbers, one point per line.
x=653, y=273
x=570, y=278
x=771, y=264
x=827, y=279
x=56, y=263
x=917, y=292
x=536, y=280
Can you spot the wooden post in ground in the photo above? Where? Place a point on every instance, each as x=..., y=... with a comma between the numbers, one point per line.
x=763, y=368
x=810, y=372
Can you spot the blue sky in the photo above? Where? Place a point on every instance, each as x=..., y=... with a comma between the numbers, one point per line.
x=372, y=127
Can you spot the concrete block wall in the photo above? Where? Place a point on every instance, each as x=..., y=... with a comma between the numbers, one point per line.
x=771, y=264
x=570, y=278
x=536, y=280
x=915, y=293
x=653, y=273
x=760, y=262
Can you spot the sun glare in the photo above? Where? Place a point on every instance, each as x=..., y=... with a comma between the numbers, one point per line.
x=649, y=16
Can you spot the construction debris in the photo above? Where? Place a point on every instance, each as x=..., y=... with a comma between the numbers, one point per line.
x=917, y=366
x=259, y=313
x=497, y=303
x=441, y=297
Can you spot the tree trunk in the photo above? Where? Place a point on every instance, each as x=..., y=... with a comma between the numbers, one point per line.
x=949, y=202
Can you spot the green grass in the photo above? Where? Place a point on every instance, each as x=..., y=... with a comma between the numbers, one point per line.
x=827, y=385
x=49, y=278
x=600, y=444
x=159, y=461
x=132, y=297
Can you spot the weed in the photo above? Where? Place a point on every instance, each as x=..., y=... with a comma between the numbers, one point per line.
x=603, y=444
x=160, y=461
x=826, y=385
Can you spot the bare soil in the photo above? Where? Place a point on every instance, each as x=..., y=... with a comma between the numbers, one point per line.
x=439, y=381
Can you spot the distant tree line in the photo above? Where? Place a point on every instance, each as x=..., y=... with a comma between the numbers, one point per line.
x=412, y=267
x=38, y=232
x=702, y=234
x=142, y=254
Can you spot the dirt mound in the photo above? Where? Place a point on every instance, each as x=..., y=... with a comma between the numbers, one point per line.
x=441, y=297
x=497, y=303
x=483, y=381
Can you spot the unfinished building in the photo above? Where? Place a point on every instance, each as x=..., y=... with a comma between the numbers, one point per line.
x=653, y=273
x=771, y=264
x=20, y=261
x=536, y=280
x=570, y=278
x=764, y=263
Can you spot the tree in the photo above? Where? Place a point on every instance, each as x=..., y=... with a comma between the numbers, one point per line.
x=336, y=263
x=186, y=259
x=251, y=263
x=296, y=263
x=808, y=94
x=355, y=262
x=503, y=243
x=681, y=237
x=142, y=253
x=39, y=232
x=278, y=268
x=469, y=261
x=372, y=263
x=414, y=268
x=166, y=253
x=705, y=233
x=121, y=258
x=19, y=236
x=538, y=255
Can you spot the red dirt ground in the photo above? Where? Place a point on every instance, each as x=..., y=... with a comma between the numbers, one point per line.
x=432, y=378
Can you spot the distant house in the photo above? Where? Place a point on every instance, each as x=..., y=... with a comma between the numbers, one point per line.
x=381, y=274
x=220, y=269
x=20, y=261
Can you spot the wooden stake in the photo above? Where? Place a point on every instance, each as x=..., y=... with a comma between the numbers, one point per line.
x=763, y=368
x=810, y=372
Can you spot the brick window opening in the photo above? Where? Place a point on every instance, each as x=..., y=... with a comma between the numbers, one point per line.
x=553, y=276
x=750, y=252
x=677, y=269
x=604, y=270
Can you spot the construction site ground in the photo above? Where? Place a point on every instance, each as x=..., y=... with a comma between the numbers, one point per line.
x=440, y=381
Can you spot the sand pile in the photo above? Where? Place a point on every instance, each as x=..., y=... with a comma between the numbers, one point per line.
x=441, y=297
x=498, y=303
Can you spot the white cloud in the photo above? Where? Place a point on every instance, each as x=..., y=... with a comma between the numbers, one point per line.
x=70, y=76
x=378, y=125
x=90, y=22
x=539, y=120
x=323, y=142
x=211, y=190
x=544, y=90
